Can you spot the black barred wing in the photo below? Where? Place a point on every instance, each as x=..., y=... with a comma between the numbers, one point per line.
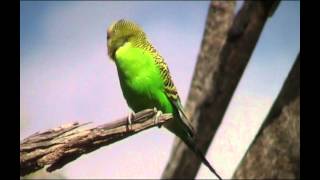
x=171, y=90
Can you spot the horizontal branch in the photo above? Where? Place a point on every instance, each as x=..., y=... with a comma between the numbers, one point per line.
x=59, y=146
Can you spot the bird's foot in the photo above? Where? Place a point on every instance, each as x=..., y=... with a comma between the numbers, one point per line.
x=159, y=113
x=130, y=118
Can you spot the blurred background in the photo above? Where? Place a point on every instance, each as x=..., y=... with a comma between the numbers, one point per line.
x=66, y=76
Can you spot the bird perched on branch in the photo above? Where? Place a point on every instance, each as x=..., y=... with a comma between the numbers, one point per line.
x=145, y=79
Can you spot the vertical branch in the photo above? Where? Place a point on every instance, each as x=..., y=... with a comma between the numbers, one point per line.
x=276, y=148
x=224, y=54
x=219, y=20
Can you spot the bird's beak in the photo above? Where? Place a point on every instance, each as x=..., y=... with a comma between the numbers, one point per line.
x=110, y=54
x=110, y=51
x=108, y=43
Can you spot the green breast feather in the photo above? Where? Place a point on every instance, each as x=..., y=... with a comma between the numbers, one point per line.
x=140, y=79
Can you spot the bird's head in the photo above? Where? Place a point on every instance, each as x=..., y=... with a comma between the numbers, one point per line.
x=121, y=32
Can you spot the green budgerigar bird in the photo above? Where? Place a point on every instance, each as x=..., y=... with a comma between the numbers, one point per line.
x=145, y=79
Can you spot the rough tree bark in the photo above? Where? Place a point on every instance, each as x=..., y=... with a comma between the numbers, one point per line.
x=59, y=146
x=224, y=54
x=275, y=151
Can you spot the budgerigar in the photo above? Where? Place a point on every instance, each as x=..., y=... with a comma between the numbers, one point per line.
x=145, y=79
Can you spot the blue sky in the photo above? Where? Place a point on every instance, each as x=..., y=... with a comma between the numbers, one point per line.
x=67, y=76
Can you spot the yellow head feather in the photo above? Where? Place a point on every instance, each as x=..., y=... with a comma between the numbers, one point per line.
x=121, y=32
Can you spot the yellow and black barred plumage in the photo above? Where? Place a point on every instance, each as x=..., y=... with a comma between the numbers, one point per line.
x=169, y=87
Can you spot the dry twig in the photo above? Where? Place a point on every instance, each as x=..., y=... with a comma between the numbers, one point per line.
x=59, y=146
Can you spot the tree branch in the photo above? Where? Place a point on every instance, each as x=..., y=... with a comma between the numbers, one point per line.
x=183, y=163
x=227, y=45
x=59, y=146
x=276, y=147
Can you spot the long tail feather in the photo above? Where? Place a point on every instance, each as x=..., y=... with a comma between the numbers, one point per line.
x=190, y=143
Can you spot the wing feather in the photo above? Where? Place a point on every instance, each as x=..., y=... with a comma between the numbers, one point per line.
x=169, y=88
x=171, y=91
